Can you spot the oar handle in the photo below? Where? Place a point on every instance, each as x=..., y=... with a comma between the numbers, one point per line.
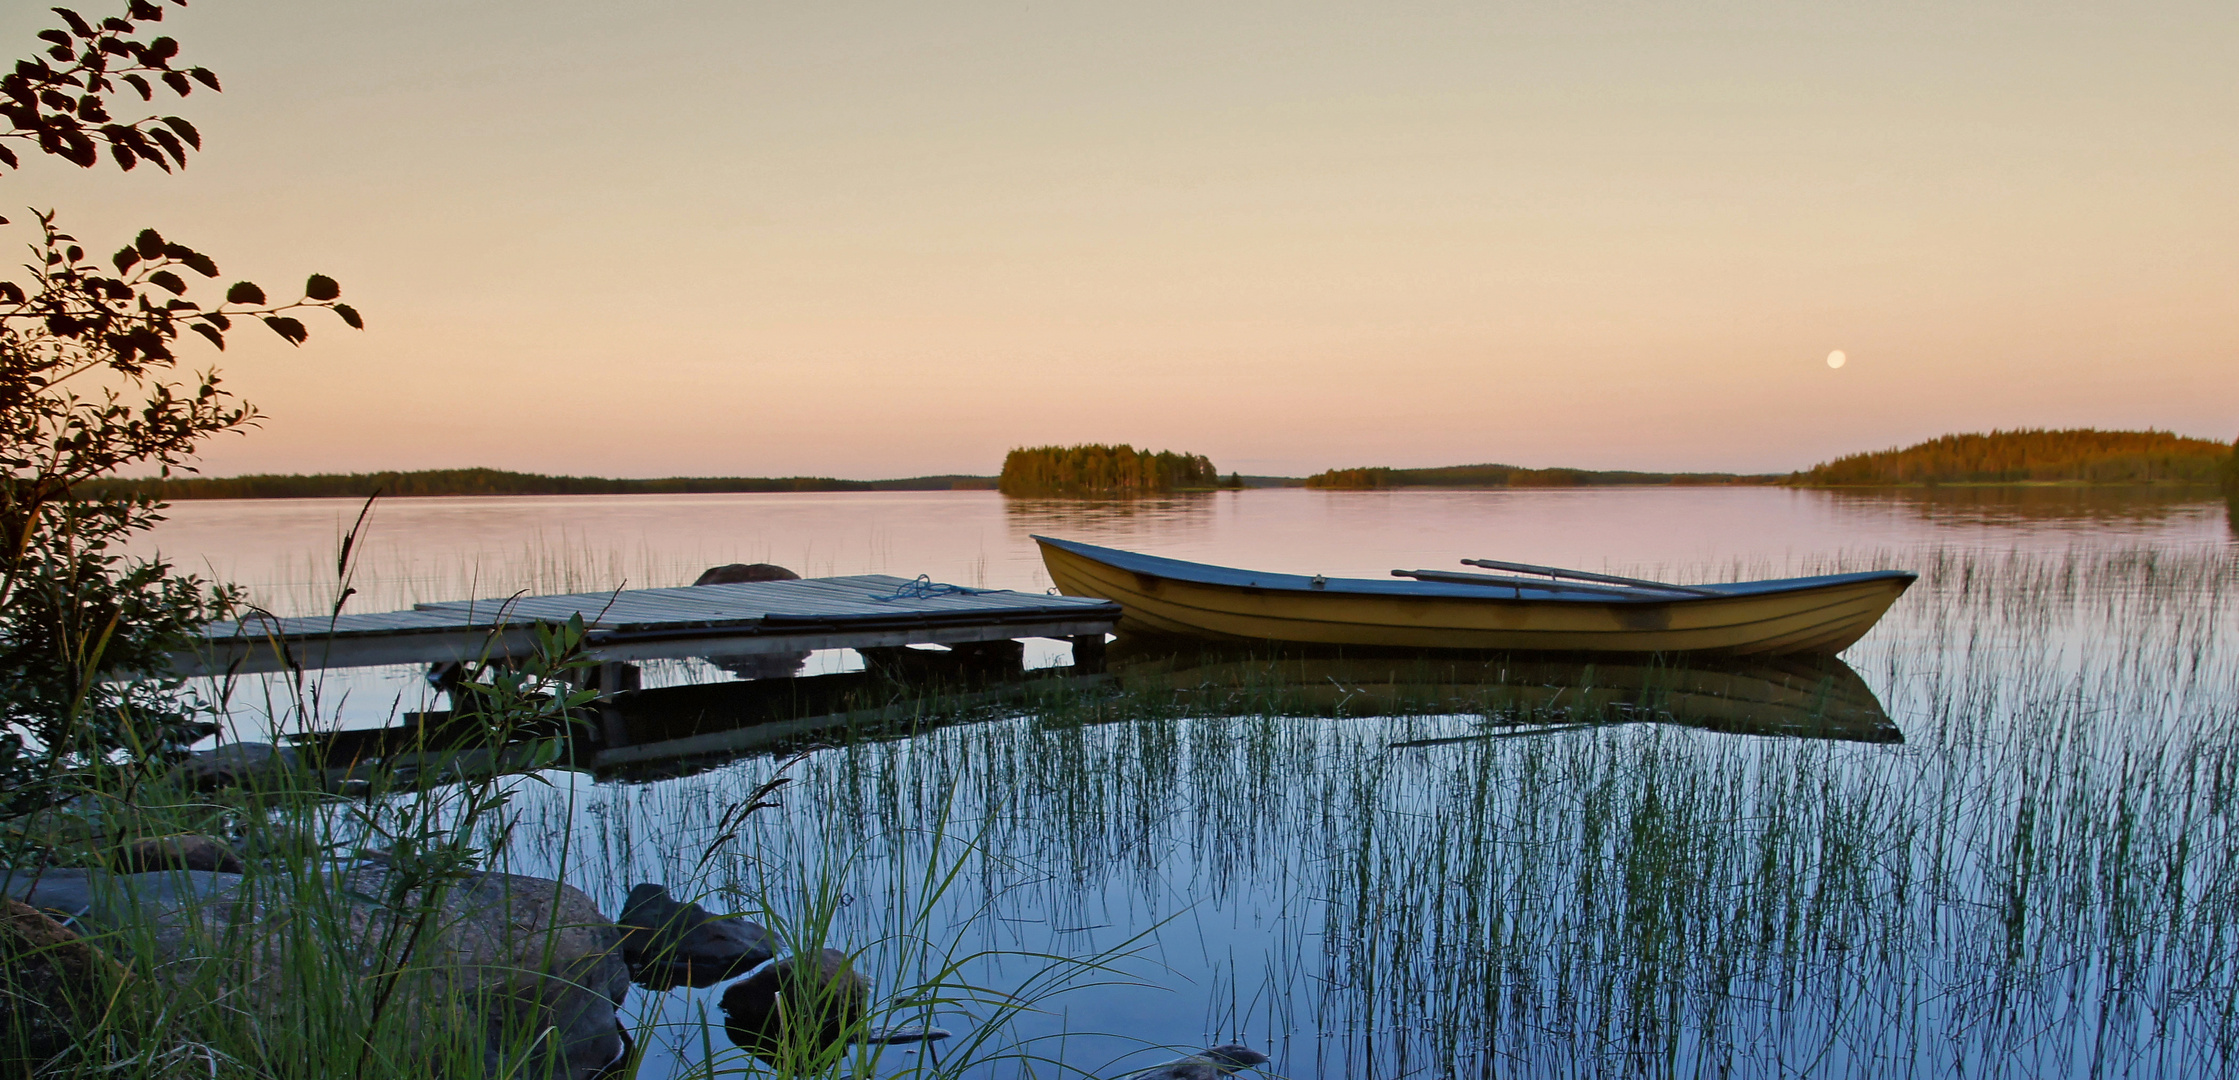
x=1581, y=575
x=1457, y=577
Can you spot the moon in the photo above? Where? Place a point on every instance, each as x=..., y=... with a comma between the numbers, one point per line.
x=1836, y=359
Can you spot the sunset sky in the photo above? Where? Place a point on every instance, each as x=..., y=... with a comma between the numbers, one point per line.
x=882, y=240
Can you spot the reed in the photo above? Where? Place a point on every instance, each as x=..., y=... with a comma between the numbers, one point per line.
x=2038, y=881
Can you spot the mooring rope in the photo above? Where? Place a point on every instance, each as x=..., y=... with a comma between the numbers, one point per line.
x=925, y=588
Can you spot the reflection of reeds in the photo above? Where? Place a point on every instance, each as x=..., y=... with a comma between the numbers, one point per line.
x=2040, y=881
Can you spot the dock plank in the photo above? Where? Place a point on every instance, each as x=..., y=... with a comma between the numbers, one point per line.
x=855, y=611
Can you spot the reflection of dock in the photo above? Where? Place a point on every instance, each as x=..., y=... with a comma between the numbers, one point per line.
x=864, y=611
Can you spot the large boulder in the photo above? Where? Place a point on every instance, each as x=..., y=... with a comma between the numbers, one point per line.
x=739, y=573
x=669, y=943
x=515, y=955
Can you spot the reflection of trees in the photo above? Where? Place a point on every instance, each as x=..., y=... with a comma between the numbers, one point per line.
x=2010, y=504
x=1165, y=517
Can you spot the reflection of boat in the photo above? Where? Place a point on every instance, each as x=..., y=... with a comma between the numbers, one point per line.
x=1817, y=697
x=1468, y=611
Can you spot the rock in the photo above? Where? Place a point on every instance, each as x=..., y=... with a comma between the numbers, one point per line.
x=668, y=944
x=798, y=1013
x=526, y=954
x=241, y=764
x=1211, y=1063
x=185, y=851
x=740, y=573
x=52, y=987
x=773, y=665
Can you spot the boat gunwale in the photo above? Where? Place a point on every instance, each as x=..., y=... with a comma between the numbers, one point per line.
x=1211, y=575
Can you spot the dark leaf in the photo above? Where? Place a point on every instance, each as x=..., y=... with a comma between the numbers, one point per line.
x=199, y=263
x=170, y=142
x=144, y=11
x=146, y=92
x=79, y=150
x=218, y=320
x=90, y=110
x=116, y=24
x=11, y=292
x=321, y=287
x=178, y=83
x=350, y=315
x=74, y=253
x=287, y=328
x=159, y=51
x=126, y=259
x=215, y=337
x=62, y=53
x=205, y=77
x=8, y=158
x=186, y=131
x=149, y=243
x=59, y=37
x=244, y=292
x=77, y=25
x=169, y=280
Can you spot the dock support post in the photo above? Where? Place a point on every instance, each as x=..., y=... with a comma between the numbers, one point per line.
x=611, y=678
x=1088, y=654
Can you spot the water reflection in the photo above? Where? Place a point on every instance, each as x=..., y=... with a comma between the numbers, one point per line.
x=2050, y=504
x=1164, y=514
x=1810, y=698
x=677, y=731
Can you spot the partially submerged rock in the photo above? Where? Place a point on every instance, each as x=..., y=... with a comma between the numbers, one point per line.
x=1211, y=1063
x=800, y=1013
x=741, y=573
x=240, y=764
x=797, y=1012
x=669, y=943
x=184, y=851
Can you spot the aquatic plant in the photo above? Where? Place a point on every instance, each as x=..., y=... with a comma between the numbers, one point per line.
x=2038, y=881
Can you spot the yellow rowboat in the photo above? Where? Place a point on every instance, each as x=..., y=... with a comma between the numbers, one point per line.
x=1424, y=609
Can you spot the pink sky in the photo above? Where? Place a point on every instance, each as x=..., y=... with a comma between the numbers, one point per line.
x=881, y=240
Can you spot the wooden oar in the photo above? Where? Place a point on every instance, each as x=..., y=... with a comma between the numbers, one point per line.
x=1581, y=575
x=1456, y=577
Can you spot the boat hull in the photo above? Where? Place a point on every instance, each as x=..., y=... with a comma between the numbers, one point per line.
x=1814, y=616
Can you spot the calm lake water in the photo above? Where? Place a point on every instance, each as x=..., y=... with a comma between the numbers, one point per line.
x=2022, y=861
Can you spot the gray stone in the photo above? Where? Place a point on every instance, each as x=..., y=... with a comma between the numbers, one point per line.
x=524, y=953
x=1211, y=1063
x=798, y=1013
x=668, y=943
x=185, y=851
x=241, y=764
x=741, y=573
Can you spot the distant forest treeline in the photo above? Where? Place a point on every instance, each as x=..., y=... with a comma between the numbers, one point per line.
x=1103, y=470
x=494, y=482
x=2084, y=455
x=1470, y=476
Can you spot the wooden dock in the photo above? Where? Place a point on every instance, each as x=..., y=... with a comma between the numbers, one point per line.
x=863, y=611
